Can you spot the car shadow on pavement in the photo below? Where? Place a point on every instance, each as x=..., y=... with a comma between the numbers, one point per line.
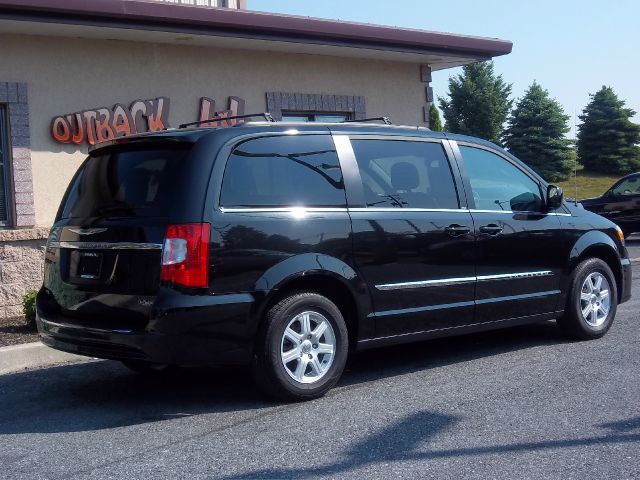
x=104, y=394
x=403, y=359
x=413, y=438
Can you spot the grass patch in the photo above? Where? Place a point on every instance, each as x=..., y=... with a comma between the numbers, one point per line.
x=590, y=184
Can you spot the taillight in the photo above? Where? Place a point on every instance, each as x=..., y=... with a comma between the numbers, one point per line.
x=185, y=255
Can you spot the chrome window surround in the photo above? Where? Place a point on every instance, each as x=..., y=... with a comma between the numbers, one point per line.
x=105, y=245
x=297, y=210
x=461, y=280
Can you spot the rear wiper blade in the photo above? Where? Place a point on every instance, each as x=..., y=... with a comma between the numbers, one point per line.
x=114, y=209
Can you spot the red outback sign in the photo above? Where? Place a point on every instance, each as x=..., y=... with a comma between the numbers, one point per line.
x=101, y=124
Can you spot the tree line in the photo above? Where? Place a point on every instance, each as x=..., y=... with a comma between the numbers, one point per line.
x=478, y=103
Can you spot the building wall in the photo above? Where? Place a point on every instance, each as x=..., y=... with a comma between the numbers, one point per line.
x=65, y=75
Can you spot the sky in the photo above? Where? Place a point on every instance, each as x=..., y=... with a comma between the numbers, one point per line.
x=570, y=47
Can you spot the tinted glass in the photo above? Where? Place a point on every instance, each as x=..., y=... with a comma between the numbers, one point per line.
x=330, y=118
x=629, y=186
x=125, y=183
x=499, y=185
x=284, y=171
x=295, y=118
x=405, y=174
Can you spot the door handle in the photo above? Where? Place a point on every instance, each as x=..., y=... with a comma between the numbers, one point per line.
x=456, y=230
x=491, y=229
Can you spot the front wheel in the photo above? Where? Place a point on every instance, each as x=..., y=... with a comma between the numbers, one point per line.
x=302, y=348
x=592, y=301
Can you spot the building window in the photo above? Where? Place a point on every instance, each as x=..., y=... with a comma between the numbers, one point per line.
x=16, y=180
x=315, y=107
x=4, y=169
x=316, y=117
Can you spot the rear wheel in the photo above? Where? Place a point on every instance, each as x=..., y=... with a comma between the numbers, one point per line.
x=302, y=348
x=592, y=301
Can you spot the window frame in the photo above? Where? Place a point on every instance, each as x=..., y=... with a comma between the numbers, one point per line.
x=5, y=148
x=359, y=188
x=311, y=114
x=222, y=159
x=467, y=181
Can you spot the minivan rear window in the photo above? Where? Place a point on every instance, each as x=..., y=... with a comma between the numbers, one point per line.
x=125, y=183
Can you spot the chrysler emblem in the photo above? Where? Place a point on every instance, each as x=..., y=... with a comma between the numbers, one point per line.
x=87, y=231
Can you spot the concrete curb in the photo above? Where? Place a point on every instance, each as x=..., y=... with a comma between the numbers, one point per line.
x=16, y=358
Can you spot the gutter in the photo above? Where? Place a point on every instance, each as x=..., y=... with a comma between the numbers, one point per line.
x=159, y=16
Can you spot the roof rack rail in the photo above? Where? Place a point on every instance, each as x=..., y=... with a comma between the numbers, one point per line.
x=373, y=119
x=216, y=118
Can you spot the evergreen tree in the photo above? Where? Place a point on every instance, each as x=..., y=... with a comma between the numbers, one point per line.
x=607, y=138
x=536, y=135
x=435, y=123
x=478, y=102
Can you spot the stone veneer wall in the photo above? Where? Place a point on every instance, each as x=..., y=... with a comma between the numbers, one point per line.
x=15, y=96
x=21, y=266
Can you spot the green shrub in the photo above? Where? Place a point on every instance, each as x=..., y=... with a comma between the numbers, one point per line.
x=29, y=307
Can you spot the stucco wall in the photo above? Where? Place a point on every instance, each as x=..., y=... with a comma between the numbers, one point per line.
x=70, y=75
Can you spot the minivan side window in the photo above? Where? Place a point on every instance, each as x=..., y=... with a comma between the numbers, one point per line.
x=405, y=174
x=497, y=184
x=629, y=186
x=284, y=171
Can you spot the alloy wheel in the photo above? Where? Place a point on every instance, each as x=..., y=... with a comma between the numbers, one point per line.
x=308, y=347
x=595, y=299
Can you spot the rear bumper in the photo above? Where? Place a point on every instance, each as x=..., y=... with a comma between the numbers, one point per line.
x=627, y=273
x=206, y=332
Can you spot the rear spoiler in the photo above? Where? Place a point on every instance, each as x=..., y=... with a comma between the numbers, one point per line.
x=137, y=140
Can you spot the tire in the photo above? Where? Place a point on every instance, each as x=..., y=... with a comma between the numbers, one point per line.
x=311, y=371
x=595, y=324
x=145, y=368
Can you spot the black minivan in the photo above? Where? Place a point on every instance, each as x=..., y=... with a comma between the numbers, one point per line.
x=285, y=246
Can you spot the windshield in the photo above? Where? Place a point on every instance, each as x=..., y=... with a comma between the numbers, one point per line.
x=122, y=183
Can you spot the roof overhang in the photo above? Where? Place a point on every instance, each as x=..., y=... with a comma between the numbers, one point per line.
x=150, y=21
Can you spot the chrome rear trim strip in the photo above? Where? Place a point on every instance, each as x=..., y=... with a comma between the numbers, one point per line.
x=460, y=280
x=106, y=245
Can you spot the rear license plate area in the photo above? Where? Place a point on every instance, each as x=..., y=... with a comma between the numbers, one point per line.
x=90, y=265
x=85, y=266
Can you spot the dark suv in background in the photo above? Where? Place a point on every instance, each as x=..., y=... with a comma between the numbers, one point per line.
x=620, y=204
x=285, y=246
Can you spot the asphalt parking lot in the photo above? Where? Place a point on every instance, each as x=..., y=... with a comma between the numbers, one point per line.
x=517, y=403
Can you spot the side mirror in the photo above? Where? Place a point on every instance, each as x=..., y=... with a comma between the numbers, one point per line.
x=555, y=196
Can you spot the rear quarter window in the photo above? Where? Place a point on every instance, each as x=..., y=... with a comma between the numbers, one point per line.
x=284, y=171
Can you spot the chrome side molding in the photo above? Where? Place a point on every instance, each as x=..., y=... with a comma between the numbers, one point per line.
x=457, y=281
x=426, y=283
